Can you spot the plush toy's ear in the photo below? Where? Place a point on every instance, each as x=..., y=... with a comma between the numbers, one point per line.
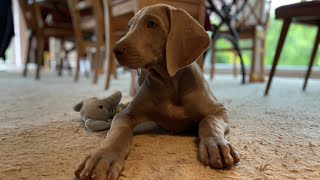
x=78, y=106
x=187, y=40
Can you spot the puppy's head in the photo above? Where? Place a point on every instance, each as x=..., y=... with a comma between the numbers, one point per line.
x=161, y=34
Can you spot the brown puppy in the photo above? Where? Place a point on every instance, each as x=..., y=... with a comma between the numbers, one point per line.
x=164, y=42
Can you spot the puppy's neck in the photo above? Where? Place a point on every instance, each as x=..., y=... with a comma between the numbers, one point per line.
x=159, y=76
x=160, y=71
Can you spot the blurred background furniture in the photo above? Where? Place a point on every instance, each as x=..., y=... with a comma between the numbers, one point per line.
x=121, y=11
x=95, y=26
x=45, y=19
x=251, y=24
x=88, y=27
x=227, y=11
x=6, y=26
x=306, y=13
x=118, y=13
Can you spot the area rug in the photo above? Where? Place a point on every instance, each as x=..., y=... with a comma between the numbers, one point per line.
x=278, y=136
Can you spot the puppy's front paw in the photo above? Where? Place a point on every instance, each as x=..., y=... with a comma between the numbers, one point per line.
x=218, y=153
x=100, y=165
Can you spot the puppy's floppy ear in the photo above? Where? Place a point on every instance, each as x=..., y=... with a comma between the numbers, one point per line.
x=187, y=40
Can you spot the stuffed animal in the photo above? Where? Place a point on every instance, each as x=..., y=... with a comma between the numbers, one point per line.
x=97, y=113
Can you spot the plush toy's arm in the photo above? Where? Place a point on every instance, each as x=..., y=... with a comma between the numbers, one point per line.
x=118, y=109
x=97, y=125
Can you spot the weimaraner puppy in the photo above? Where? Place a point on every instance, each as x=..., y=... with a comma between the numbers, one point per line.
x=165, y=42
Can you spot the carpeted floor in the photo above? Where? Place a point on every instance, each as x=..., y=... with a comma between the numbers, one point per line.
x=40, y=137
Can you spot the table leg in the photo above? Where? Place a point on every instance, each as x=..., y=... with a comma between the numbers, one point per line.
x=313, y=55
x=282, y=38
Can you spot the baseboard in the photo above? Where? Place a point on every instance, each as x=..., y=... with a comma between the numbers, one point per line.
x=281, y=71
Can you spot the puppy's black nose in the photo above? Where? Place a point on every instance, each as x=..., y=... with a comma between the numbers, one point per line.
x=118, y=53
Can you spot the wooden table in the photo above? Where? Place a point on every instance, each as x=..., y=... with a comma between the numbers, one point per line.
x=307, y=13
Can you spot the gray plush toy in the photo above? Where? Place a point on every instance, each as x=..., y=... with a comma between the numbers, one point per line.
x=97, y=113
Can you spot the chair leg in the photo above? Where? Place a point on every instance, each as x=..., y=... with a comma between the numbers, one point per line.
x=109, y=43
x=110, y=62
x=76, y=76
x=97, y=64
x=40, y=45
x=61, y=58
x=115, y=74
x=25, y=71
x=313, y=55
x=252, y=77
x=114, y=70
x=79, y=45
x=60, y=67
x=68, y=65
x=213, y=62
x=235, y=43
x=88, y=64
x=235, y=66
x=236, y=46
x=282, y=38
x=261, y=53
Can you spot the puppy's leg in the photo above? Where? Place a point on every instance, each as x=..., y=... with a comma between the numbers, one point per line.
x=214, y=149
x=108, y=161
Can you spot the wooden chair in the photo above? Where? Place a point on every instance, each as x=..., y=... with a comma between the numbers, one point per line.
x=87, y=18
x=41, y=30
x=251, y=24
x=306, y=13
x=118, y=13
x=121, y=11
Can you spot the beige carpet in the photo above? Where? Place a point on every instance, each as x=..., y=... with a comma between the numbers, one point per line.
x=40, y=138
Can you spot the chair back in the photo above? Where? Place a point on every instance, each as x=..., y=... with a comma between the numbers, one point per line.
x=87, y=18
x=254, y=13
x=28, y=11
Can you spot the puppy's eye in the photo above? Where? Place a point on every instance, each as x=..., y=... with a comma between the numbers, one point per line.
x=129, y=26
x=100, y=107
x=152, y=24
